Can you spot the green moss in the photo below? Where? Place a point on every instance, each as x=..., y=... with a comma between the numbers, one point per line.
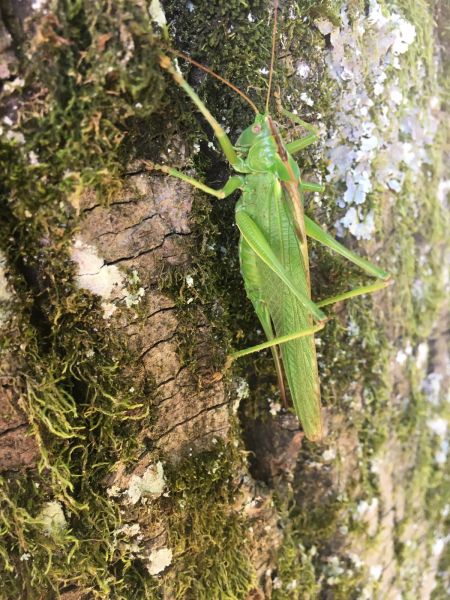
x=209, y=538
x=95, y=89
x=296, y=577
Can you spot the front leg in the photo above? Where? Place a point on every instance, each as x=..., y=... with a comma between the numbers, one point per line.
x=221, y=136
x=234, y=183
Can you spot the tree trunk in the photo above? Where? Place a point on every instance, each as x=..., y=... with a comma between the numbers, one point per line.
x=133, y=464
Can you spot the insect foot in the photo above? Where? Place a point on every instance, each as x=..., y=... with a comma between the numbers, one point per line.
x=228, y=363
x=150, y=165
x=164, y=61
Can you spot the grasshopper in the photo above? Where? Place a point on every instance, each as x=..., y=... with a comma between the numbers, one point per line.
x=273, y=246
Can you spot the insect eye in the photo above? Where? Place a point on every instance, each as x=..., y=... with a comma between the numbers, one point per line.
x=256, y=128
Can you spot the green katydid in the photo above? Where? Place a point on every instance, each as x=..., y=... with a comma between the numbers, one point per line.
x=273, y=244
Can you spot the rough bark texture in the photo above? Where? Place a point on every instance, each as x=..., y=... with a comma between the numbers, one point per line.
x=133, y=466
x=142, y=230
x=18, y=449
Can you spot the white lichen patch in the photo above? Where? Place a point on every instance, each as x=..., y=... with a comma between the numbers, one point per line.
x=105, y=280
x=134, y=298
x=357, y=561
x=422, y=353
x=52, y=518
x=432, y=386
x=441, y=455
x=114, y=491
x=130, y=530
x=292, y=585
x=152, y=484
x=334, y=570
x=11, y=86
x=129, y=538
x=404, y=353
x=329, y=454
x=274, y=407
x=368, y=513
x=306, y=99
x=25, y=556
x=439, y=545
x=380, y=132
x=277, y=583
x=242, y=392
x=303, y=69
x=38, y=4
x=134, y=292
x=375, y=572
x=93, y=274
x=15, y=136
x=438, y=426
x=444, y=191
x=157, y=13
x=5, y=293
x=109, y=308
x=159, y=560
x=33, y=158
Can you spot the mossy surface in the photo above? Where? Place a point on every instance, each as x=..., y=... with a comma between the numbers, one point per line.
x=208, y=537
x=82, y=89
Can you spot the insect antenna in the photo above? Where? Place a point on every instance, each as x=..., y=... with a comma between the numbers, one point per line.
x=272, y=58
x=216, y=75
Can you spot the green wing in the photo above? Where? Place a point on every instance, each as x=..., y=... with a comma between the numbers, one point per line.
x=263, y=200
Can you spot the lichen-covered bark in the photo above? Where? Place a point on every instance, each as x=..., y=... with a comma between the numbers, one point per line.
x=132, y=465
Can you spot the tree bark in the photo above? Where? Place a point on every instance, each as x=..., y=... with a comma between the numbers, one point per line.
x=133, y=465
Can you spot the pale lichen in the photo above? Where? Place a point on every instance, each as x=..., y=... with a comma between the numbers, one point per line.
x=5, y=292
x=95, y=275
x=379, y=132
x=53, y=518
x=151, y=484
x=104, y=280
x=159, y=560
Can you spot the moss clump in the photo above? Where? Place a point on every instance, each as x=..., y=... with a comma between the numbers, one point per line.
x=208, y=536
x=295, y=576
